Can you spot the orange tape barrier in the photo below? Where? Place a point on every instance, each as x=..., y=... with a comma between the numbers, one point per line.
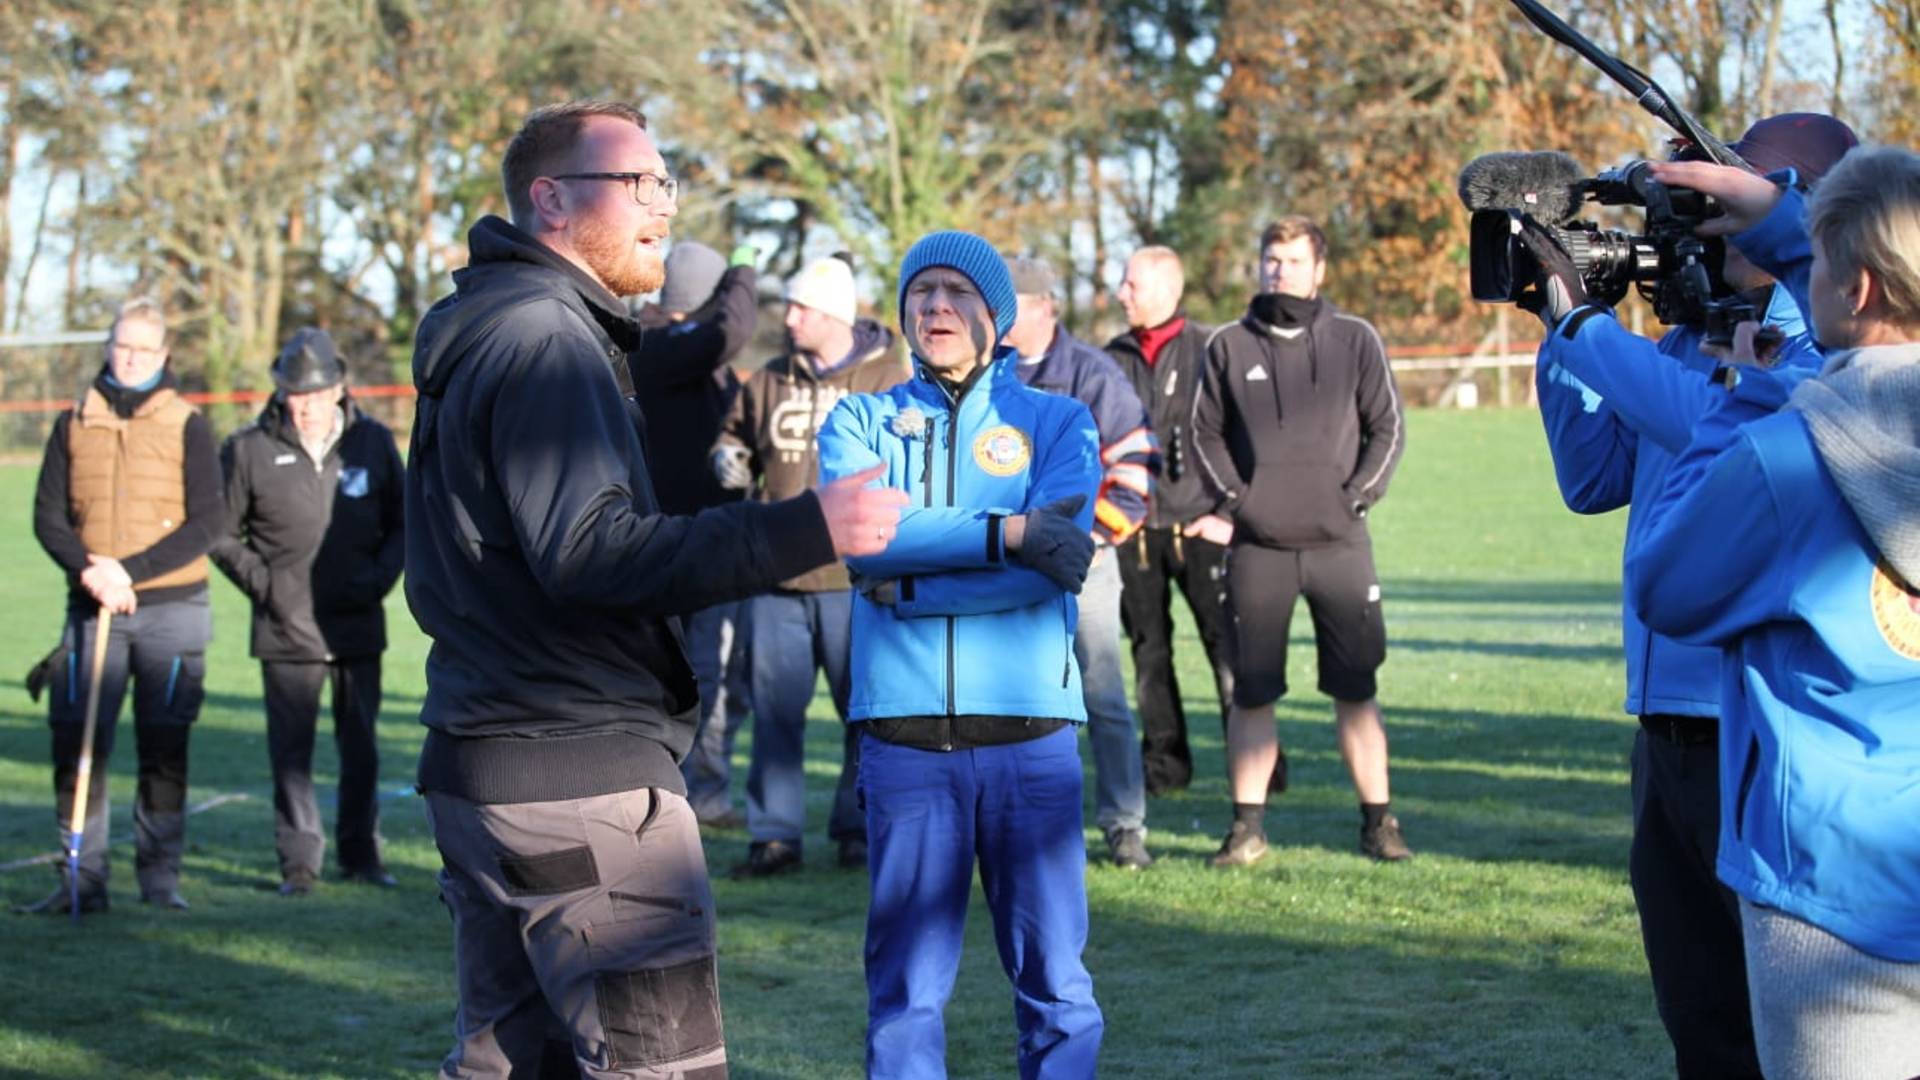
x=233, y=397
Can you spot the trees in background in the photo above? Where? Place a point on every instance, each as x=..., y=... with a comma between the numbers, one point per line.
x=266, y=161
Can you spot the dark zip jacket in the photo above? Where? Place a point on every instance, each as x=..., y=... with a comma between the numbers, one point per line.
x=315, y=545
x=1297, y=426
x=537, y=558
x=53, y=512
x=1167, y=388
x=684, y=382
x=1129, y=454
x=778, y=415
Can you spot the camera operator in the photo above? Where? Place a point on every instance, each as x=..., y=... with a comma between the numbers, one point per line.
x=1818, y=621
x=1617, y=408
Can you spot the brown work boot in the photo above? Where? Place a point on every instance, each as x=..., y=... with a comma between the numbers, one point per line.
x=60, y=902
x=767, y=858
x=1243, y=846
x=1384, y=841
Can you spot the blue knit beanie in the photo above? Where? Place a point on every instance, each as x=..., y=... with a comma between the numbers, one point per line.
x=973, y=257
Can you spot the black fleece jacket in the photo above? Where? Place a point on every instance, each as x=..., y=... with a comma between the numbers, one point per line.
x=537, y=558
x=315, y=545
x=684, y=382
x=53, y=506
x=1297, y=426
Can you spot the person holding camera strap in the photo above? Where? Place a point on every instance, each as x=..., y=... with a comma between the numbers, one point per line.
x=1617, y=409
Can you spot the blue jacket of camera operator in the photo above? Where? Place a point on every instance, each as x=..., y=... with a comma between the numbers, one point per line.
x=1753, y=549
x=972, y=632
x=1617, y=409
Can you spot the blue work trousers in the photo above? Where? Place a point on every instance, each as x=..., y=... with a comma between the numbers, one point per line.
x=1014, y=809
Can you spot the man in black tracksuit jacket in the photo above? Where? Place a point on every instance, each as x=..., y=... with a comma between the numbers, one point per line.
x=313, y=538
x=1298, y=429
x=559, y=695
x=1165, y=354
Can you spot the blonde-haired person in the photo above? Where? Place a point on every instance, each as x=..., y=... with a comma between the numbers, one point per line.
x=1793, y=544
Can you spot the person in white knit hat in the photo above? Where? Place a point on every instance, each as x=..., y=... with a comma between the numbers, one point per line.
x=767, y=449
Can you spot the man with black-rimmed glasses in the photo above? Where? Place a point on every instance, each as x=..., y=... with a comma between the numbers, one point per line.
x=559, y=695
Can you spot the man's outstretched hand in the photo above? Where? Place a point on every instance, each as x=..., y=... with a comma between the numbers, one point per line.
x=861, y=520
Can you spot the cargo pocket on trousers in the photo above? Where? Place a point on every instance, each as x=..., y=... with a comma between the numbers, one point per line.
x=658, y=1015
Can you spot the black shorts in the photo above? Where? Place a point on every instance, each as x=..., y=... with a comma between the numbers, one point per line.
x=1343, y=596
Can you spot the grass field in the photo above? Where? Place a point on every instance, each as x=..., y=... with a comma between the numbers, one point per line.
x=1507, y=948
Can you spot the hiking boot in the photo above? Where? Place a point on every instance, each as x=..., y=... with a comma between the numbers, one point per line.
x=853, y=853
x=726, y=820
x=1243, y=846
x=168, y=898
x=766, y=858
x=1128, y=848
x=1384, y=842
x=60, y=902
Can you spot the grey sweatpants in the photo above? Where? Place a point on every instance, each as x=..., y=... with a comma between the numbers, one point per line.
x=1824, y=1010
x=581, y=924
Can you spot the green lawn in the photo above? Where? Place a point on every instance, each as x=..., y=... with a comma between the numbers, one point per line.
x=1508, y=948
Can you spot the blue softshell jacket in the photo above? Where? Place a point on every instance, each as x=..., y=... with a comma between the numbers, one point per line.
x=1617, y=408
x=1752, y=548
x=973, y=632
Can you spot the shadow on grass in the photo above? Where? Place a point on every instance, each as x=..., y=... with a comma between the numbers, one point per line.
x=1542, y=593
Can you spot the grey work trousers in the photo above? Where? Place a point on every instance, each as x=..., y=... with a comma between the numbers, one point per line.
x=584, y=924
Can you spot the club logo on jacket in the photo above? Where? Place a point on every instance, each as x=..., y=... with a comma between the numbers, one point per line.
x=1003, y=450
x=1896, y=611
x=353, y=482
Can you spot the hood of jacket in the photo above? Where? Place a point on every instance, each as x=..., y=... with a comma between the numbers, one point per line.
x=1864, y=414
x=495, y=282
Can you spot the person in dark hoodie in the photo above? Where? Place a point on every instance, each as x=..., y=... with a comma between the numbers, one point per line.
x=313, y=537
x=683, y=379
x=1182, y=541
x=128, y=504
x=560, y=699
x=1298, y=428
x=767, y=447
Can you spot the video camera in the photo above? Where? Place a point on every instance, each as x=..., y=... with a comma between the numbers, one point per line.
x=1679, y=273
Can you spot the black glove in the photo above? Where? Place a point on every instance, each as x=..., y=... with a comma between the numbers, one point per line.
x=42, y=672
x=1056, y=545
x=1559, y=291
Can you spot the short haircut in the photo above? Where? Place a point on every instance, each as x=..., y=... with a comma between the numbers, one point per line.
x=544, y=142
x=1865, y=215
x=1291, y=228
x=1169, y=260
x=139, y=309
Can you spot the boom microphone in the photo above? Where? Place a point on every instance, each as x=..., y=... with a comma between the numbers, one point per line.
x=1539, y=183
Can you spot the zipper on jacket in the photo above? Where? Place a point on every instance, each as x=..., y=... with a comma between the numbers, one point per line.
x=926, y=470
x=1066, y=669
x=953, y=421
x=1748, y=773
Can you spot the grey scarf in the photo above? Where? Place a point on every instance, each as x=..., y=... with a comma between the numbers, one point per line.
x=1864, y=413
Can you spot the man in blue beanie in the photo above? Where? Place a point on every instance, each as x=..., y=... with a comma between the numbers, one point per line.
x=964, y=684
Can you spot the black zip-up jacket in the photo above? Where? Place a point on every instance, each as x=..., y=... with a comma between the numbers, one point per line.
x=537, y=558
x=683, y=381
x=1167, y=387
x=1297, y=426
x=315, y=545
x=53, y=506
